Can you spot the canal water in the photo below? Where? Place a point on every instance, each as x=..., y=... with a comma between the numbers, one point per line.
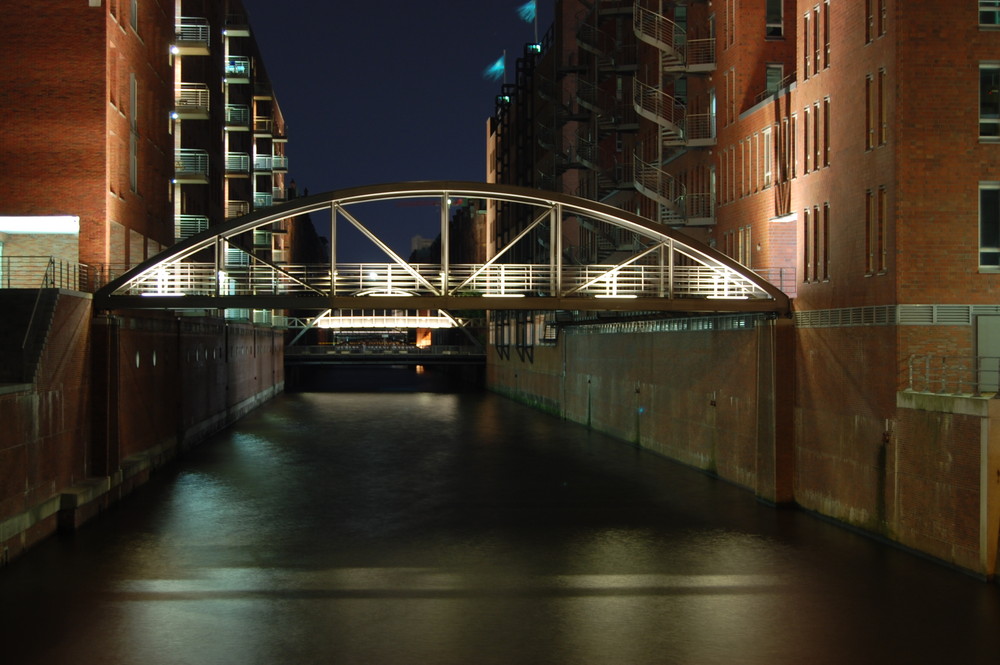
x=414, y=527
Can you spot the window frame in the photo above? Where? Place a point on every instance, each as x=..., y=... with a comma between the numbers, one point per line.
x=992, y=119
x=988, y=8
x=994, y=187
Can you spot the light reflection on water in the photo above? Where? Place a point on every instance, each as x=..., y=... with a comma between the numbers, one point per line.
x=446, y=528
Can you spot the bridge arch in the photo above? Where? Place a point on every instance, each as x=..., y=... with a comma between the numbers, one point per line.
x=651, y=268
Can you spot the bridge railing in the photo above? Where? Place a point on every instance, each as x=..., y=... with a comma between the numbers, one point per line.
x=501, y=279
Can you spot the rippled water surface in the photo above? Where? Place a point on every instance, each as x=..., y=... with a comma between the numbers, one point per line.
x=413, y=527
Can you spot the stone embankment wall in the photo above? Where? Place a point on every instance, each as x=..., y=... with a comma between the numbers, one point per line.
x=805, y=417
x=112, y=399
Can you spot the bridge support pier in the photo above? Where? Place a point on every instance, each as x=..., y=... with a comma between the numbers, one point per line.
x=775, y=412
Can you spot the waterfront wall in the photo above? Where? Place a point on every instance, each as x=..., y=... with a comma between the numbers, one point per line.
x=801, y=416
x=115, y=397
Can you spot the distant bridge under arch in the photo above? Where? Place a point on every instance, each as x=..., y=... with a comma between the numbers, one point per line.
x=643, y=266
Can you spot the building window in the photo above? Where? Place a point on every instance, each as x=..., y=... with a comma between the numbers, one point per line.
x=989, y=101
x=774, y=18
x=989, y=225
x=869, y=114
x=826, y=131
x=807, y=233
x=806, y=53
x=766, y=156
x=817, y=47
x=133, y=144
x=989, y=13
x=792, y=155
x=883, y=17
x=817, y=233
x=880, y=239
x=826, y=34
x=817, y=146
x=869, y=21
x=869, y=234
x=883, y=123
x=826, y=241
x=134, y=16
x=773, y=76
x=806, y=150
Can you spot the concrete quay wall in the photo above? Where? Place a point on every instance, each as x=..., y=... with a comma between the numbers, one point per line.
x=115, y=397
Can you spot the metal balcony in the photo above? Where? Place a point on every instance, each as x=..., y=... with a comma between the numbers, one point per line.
x=237, y=117
x=236, y=26
x=262, y=200
x=263, y=125
x=262, y=162
x=186, y=226
x=237, y=163
x=237, y=69
x=191, y=101
x=279, y=162
x=278, y=194
x=191, y=166
x=193, y=35
x=237, y=209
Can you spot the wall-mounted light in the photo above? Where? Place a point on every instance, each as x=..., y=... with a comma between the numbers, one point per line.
x=175, y=49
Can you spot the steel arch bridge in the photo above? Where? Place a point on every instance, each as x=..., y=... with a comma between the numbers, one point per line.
x=648, y=267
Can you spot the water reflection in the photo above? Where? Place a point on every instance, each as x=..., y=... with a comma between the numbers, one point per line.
x=448, y=528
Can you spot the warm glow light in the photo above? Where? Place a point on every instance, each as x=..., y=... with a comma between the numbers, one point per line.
x=174, y=49
x=503, y=295
x=617, y=297
x=40, y=224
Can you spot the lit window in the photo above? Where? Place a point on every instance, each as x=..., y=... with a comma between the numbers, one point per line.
x=766, y=156
x=989, y=101
x=989, y=13
x=989, y=225
x=773, y=76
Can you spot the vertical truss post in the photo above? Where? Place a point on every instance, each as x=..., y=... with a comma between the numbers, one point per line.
x=445, y=245
x=670, y=268
x=555, y=223
x=333, y=249
x=663, y=266
x=220, y=252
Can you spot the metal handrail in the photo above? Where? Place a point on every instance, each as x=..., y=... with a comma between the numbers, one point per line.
x=977, y=376
x=192, y=29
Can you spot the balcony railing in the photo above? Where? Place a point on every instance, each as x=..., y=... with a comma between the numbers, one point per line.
x=262, y=162
x=279, y=162
x=975, y=376
x=237, y=115
x=191, y=100
x=186, y=226
x=237, y=209
x=263, y=124
x=237, y=69
x=191, y=162
x=278, y=194
x=193, y=35
x=262, y=200
x=237, y=162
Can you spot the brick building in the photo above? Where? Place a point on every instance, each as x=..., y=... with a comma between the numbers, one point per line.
x=846, y=150
x=148, y=120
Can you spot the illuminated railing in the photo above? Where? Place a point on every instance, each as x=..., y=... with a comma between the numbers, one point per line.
x=41, y=272
x=497, y=280
x=237, y=162
x=191, y=161
x=192, y=30
x=953, y=375
x=191, y=98
x=238, y=115
x=237, y=69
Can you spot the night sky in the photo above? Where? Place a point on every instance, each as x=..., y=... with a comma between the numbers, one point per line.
x=387, y=90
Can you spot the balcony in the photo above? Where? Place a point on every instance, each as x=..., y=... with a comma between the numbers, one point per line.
x=678, y=52
x=237, y=164
x=236, y=26
x=193, y=35
x=237, y=209
x=262, y=125
x=237, y=118
x=186, y=226
x=237, y=69
x=262, y=200
x=191, y=101
x=262, y=162
x=191, y=166
x=279, y=163
x=278, y=194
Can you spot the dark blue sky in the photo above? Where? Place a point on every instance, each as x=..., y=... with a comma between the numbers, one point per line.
x=387, y=90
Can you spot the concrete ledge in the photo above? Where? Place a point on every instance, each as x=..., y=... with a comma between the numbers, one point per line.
x=964, y=405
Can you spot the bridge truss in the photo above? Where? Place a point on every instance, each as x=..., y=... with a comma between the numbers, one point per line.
x=645, y=266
